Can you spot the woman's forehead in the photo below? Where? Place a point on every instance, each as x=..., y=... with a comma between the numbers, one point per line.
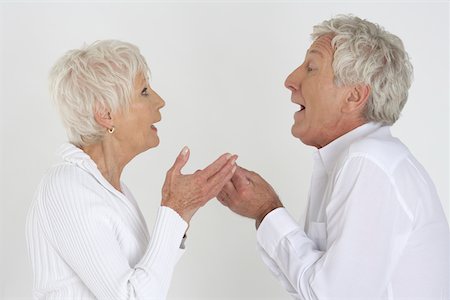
x=141, y=79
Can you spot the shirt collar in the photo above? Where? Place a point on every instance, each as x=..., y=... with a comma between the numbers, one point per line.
x=330, y=154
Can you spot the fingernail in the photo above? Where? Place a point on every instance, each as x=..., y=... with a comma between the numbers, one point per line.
x=228, y=156
x=184, y=151
x=233, y=161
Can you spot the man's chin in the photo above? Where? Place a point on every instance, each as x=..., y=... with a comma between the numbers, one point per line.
x=301, y=136
x=295, y=132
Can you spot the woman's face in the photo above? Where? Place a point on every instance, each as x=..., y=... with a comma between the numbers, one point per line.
x=134, y=128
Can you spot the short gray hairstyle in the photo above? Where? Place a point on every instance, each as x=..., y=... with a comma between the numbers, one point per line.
x=365, y=53
x=97, y=76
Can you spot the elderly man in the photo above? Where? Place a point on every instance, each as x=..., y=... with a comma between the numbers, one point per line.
x=375, y=228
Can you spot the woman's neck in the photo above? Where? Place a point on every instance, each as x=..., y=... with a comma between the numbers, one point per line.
x=110, y=160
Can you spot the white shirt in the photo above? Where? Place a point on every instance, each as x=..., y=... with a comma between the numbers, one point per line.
x=375, y=227
x=87, y=240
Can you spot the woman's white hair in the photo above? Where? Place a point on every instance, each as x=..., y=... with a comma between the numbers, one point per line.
x=367, y=54
x=96, y=77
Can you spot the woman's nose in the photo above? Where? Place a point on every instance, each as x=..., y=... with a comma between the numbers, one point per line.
x=162, y=103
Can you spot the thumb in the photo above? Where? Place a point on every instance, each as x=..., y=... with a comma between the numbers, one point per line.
x=181, y=160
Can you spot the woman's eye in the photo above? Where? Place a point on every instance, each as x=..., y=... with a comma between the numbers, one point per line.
x=144, y=92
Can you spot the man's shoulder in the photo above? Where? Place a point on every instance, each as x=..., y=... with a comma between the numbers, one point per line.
x=380, y=147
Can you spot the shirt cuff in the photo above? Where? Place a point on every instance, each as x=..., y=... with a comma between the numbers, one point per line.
x=274, y=227
x=183, y=240
x=166, y=238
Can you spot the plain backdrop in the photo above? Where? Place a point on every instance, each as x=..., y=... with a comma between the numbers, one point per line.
x=220, y=67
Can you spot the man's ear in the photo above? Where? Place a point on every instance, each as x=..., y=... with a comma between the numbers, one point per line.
x=357, y=98
x=102, y=116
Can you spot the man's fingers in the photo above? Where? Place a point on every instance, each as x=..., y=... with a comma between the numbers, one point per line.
x=244, y=170
x=229, y=188
x=222, y=197
x=240, y=178
x=181, y=160
x=216, y=165
x=226, y=194
x=250, y=175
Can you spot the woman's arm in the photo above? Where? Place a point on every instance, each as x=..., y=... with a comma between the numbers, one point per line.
x=76, y=221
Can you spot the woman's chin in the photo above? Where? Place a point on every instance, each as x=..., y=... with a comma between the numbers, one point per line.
x=150, y=145
x=154, y=143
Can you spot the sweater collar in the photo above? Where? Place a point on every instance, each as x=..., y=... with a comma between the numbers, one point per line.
x=330, y=154
x=74, y=155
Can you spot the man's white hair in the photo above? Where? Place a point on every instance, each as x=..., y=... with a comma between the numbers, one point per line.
x=367, y=54
x=96, y=77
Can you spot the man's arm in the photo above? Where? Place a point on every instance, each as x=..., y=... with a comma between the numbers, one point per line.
x=249, y=195
x=366, y=230
x=275, y=270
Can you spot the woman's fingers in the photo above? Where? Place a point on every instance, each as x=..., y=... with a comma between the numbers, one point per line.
x=181, y=160
x=218, y=180
x=185, y=194
x=216, y=166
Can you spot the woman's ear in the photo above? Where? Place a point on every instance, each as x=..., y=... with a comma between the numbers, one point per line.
x=357, y=98
x=102, y=116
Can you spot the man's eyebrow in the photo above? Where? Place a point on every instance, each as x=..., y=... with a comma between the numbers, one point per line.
x=315, y=51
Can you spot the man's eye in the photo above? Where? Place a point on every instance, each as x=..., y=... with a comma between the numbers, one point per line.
x=144, y=92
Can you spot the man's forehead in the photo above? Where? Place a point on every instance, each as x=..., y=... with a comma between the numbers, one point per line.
x=322, y=45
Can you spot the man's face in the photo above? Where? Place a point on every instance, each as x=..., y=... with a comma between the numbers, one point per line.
x=319, y=120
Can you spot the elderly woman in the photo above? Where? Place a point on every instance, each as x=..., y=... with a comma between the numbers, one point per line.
x=86, y=235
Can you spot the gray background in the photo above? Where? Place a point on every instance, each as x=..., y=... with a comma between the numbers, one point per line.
x=220, y=68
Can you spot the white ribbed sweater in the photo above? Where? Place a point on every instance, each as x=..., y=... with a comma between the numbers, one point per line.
x=87, y=240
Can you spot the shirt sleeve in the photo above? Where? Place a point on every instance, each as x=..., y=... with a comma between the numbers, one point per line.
x=76, y=223
x=367, y=227
x=275, y=270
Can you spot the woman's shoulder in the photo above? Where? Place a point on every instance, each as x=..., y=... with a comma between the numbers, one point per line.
x=70, y=197
x=67, y=183
x=66, y=174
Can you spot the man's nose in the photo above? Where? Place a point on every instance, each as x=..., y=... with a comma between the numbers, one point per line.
x=292, y=82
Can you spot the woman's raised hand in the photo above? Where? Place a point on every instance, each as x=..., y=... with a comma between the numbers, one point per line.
x=187, y=193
